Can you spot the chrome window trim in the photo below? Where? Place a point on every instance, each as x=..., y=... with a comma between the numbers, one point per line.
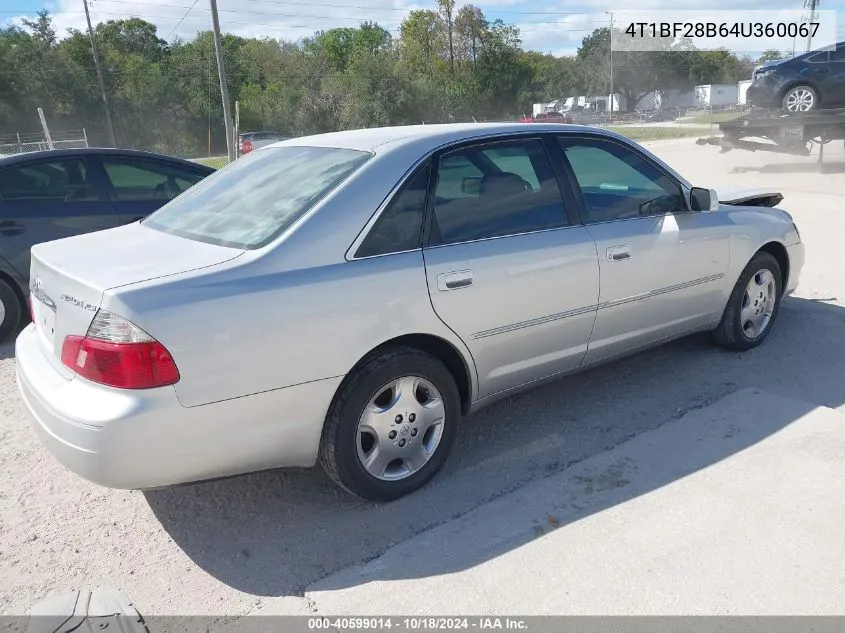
x=506, y=235
x=504, y=137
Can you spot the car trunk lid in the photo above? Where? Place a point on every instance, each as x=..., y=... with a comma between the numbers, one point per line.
x=68, y=277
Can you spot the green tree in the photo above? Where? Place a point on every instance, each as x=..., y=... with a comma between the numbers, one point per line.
x=452, y=64
x=420, y=36
x=771, y=55
x=470, y=29
x=446, y=9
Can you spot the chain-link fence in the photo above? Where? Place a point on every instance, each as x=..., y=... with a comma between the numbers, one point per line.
x=19, y=143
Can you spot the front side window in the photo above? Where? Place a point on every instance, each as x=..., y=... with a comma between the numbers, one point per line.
x=135, y=180
x=67, y=180
x=617, y=183
x=254, y=199
x=494, y=190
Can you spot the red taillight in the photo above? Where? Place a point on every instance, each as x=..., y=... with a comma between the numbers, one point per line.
x=246, y=147
x=116, y=353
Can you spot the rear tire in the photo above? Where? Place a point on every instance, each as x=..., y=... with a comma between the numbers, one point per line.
x=382, y=441
x=11, y=310
x=800, y=99
x=753, y=305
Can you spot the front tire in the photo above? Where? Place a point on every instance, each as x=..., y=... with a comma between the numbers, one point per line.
x=753, y=305
x=800, y=99
x=10, y=310
x=391, y=425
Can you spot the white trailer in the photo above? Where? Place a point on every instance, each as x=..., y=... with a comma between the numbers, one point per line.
x=539, y=108
x=675, y=98
x=742, y=87
x=716, y=95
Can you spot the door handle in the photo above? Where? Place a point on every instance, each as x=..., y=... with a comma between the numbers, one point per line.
x=11, y=228
x=618, y=253
x=454, y=280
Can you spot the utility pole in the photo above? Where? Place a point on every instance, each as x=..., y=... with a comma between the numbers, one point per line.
x=224, y=88
x=109, y=125
x=45, y=128
x=237, y=128
x=810, y=4
x=610, y=13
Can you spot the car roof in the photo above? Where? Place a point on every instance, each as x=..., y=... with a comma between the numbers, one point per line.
x=9, y=159
x=419, y=140
x=806, y=55
x=430, y=135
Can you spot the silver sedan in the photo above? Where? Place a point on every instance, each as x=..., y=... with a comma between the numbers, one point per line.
x=346, y=298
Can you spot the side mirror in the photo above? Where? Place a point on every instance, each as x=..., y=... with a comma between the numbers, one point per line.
x=704, y=199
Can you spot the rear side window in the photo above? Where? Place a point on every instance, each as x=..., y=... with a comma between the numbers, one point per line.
x=65, y=180
x=134, y=180
x=515, y=191
x=399, y=227
x=514, y=159
x=253, y=200
x=456, y=170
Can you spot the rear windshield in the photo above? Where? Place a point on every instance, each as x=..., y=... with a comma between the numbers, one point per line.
x=253, y=200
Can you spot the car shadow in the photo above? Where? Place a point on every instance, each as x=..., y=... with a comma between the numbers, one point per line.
x=7, y=347
x=274, y=533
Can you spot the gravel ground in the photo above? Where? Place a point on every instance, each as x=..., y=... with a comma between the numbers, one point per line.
x=231, y=546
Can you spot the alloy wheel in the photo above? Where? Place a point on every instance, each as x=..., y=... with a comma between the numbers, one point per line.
x=400, y=428
x=758, y=304
x=800, y=100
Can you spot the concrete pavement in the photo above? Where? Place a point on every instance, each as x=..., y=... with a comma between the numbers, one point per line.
x=736, y=508
x=258, y=543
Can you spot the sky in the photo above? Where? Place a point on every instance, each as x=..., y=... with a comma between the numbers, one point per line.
x=550, y=26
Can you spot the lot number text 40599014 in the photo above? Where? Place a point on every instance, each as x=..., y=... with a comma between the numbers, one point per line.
x=421, y=623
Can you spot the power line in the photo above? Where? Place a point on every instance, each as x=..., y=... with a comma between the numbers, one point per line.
x=182, y=19
x=185, y=17
x=103, y=95
x=332, y=6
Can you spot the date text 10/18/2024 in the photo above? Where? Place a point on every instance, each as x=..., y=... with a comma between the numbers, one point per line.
x=416, y=624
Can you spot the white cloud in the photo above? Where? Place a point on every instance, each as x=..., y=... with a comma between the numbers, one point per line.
x=560, y=36
x=546, y=25
x=289, y=19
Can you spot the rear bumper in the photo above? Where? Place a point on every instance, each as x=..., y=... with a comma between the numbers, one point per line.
x=147, y=439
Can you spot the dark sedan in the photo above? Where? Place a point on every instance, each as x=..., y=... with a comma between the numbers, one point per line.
x=805, y=82
x=49, y=195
